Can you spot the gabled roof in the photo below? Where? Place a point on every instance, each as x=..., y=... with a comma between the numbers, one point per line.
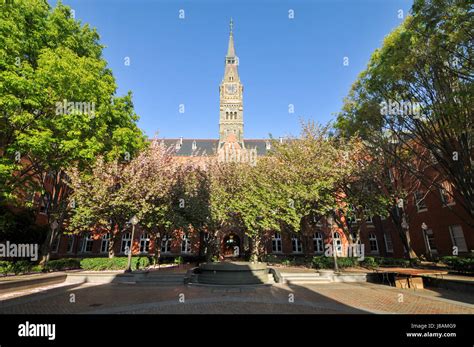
x=206, y=147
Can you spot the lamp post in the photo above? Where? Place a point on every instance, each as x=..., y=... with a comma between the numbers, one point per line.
x=133, y=221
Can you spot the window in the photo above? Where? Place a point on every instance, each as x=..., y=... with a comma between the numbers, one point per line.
x=388, y=242
x=420, y=201
x=276, y=243
x=144, y=243
x=55, y=244
x=296, y=243
x=104, y=245
x=194, y=145
x=457, y=237
x=446, y=193
x=374, y=247
x=268, y=145
x=185, y=244
x=126, y=243
x=390, y=175
x=44, y=204
x=368, y=217
x=318, y=242
x=87, y=242
x=429, y=241
x=70, y=243
x=165, y=244
x=337, y=243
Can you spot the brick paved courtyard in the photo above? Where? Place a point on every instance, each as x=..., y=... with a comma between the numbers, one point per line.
x=334, y=298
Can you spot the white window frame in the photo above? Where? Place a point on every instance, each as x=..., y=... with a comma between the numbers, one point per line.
x=446, y=193
x=144, y=243
x=427, y=235
x=373, y=238
x=166, y=245
x=56, y=242
x=105, y=240
x=296, y=245
x=420, y=200
x=70, y=247
x=388, y=242
x=126, y=241
x=86, y=239
x=463, y=247
x=44, y=205
x=276, y=243
x=318, y=242
x=186, y=245
x=368, y=218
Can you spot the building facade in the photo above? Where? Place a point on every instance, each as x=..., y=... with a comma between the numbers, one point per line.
x=436, y=224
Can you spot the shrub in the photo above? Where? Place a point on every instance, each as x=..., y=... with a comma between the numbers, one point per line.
x=5, y=267
x=178, y=260
x=18, y=267
x=21, y=266
x=370, y=262
x=322, y=262
x=63, y=264
x=394, y=262
x=461, y=264
x=343, y=262
x=36, y=268
x=116, y=263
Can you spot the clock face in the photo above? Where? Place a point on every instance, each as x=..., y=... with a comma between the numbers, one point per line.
x=231, y=88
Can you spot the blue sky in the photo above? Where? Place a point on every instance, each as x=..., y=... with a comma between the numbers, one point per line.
x=283, y=61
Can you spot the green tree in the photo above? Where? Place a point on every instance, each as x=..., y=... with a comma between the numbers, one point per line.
x=58, y=103
x=417, y=92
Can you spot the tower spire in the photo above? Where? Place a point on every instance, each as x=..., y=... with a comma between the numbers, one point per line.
x=231, y=49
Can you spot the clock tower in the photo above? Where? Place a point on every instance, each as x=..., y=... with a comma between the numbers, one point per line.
x=231, y=119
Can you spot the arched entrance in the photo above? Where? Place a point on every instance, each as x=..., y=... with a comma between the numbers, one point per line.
x=231, y=246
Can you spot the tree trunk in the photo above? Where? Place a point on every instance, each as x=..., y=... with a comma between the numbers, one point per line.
x=405, y=234
x=50, y=237
x=157, y=249
x=254, y=248
x=46, y=246
x=112, y=241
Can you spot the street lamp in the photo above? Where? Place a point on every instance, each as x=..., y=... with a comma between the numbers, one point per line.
x=133, y=221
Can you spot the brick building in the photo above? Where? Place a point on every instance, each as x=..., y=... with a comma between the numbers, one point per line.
x=435, y=222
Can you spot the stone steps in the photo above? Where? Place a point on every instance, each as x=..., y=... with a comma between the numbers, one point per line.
x=162, y=279
x=304, y=278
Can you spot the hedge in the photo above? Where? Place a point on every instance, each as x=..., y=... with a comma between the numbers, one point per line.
x=322, y=262
x=63, y=264
x=18, y=267
x=461, y=264
x=116, y=263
